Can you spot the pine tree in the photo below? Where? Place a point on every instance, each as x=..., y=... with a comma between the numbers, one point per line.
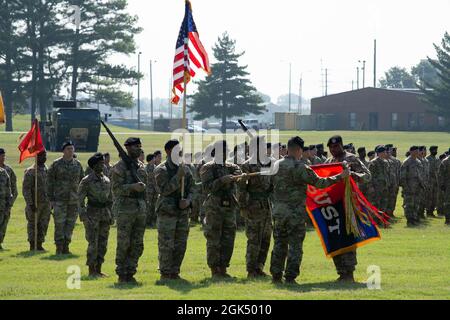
x=439, y=95
x=227, y=92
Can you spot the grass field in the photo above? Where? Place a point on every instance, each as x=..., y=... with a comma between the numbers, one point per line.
x=414, y=263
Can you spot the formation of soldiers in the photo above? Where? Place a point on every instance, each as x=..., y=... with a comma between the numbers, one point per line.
x=218, y=190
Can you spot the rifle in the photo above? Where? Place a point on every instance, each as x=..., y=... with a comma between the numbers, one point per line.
x=246, y=130
x=131, y=165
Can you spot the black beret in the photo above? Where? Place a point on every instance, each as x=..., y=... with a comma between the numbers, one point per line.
x=320, y=146
x=296, y=141
x=157, y=153
x=312, y=147
x=269, y=145
x=434, y=147
x=106, y=154
x=306, y=148
x=66, y=144
x=334, y=140
x=362, y=149
x=96, y=158
x=413, y=148
x=2, y=151
x=132, y=142
x=380, y=149
x=171, y=144
x=422, y=148
x=389, y=146
x=150, y=157
x=371, y=153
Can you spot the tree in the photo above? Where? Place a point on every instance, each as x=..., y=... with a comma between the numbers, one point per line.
x=397, y=77
x=106, y=29
x=227, y=92
x=425, y=74
x=438, y=94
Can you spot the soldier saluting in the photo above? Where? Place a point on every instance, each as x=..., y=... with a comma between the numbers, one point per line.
x=130, y=209
x=97, y=218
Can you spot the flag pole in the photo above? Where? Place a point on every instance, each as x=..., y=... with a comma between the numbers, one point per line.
x=184, y=125
x=35, y=201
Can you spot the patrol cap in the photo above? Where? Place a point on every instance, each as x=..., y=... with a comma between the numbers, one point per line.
x=413, y=148
x=334, y=140
x=362, y=149
x=380, y=149
x=171, y=144
x=2, y=151
x=296, y=141
x=433, y=147
x=67, y=144
x=132, y=142
x=96, y=158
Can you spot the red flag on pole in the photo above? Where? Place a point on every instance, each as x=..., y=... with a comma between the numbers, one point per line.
x=32, y=144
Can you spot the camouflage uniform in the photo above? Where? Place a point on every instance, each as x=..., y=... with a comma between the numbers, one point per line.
x=394, y=173
x=289, y=214
x=97, y=217
x=5, y=200
x=444, y=182
x=43, y=205
x=425, y=173
x=172, y=223
x=379, y=184
x=256, y=208
x=7, y=213
x=63, y=180
x=220, y=213
x=202, y=194
x=106, y=171
x=433, y=187
x=412, y=183
x=197, y=198
x=364, y=187
x=129, y=209
x=151, y=195
x=346, y=263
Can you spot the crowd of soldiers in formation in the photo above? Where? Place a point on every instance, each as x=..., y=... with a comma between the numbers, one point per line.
x=221, y=194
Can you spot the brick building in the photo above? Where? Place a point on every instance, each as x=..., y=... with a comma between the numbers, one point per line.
x=375, y=109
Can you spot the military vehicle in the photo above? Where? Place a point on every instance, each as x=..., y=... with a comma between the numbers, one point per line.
x=67, y=122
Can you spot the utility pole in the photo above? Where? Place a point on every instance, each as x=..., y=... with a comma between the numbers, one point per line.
x=375, y=63
x=357, y=78
x=139, y=91
x=151, y=92
x=300, y=94
x=326, y=81
x=290, y=84
x=364, y=74
x=75, y=51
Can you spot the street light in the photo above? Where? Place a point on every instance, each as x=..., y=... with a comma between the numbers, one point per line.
x=139, y=91
x=364, y=72
x=151, y=88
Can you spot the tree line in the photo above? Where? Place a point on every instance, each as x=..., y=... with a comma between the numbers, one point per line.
x=45, y=54
x=430, y=76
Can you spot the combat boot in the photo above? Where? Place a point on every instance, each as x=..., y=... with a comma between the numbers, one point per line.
x=261, y=273
x=252, y=274
x=92, y=271
x=40, y=247
x=66, y=248
x=277, y=278
x=31, y=246
x=290, y=280
x=131, y=280
x=215, y=272
x=223, y=272
x=165, y=276
x=346, y=277
x=99, y=271
x=59, y=249
x=123, y=279
x=175, y=276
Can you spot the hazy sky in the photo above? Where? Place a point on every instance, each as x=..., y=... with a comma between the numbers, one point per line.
x=311, y=34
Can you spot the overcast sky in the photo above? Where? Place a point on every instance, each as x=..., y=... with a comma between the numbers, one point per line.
x=312, y=35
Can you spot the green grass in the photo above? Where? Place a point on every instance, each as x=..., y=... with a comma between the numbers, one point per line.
x=414, y=262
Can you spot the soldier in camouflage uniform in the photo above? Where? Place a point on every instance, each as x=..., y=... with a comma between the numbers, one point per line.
x=151, y=193
x=321, y=152
x=290, y=181
x=440, y=193
x=96, y=216
x=253, y=196
x=13, y=180
x=64, y=176
x=380, y=182
x=364, y=187
x=345, y=263
x=41, y=210
x=412, y=183
x=5, y=197
x=129, y=209
x=219, y=183
x=106, y=168
x=394, y=169
x=444, y=184
x=197, y=195
x=173, y=211
x=425, y=172
x=433, y=187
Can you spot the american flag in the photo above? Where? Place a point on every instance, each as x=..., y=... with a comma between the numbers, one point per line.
x=189, y=55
